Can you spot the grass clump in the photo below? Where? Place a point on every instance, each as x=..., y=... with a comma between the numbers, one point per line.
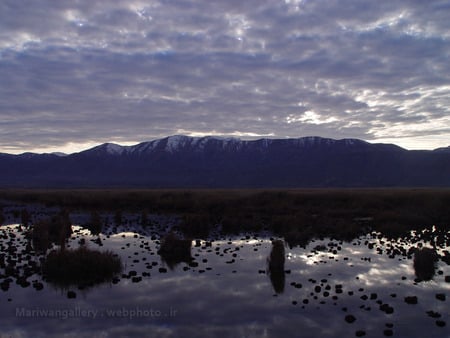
x=425, y=260
x=81, y=267
x=175, y=250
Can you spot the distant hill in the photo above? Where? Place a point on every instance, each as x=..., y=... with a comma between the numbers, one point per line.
x=214, y=162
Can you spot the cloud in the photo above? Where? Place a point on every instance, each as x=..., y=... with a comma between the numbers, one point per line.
x=129, y=71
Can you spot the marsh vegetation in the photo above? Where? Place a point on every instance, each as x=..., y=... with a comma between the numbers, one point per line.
x=296, y=215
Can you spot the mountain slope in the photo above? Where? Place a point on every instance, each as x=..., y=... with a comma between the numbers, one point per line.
x=213, y=162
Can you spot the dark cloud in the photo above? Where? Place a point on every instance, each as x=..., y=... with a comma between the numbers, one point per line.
x=96, y=71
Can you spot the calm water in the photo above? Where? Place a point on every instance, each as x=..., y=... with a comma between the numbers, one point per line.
x=228, y=290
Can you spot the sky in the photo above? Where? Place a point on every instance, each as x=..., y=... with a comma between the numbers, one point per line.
x=74, y=74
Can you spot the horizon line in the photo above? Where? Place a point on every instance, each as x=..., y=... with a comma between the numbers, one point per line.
x=90, y=145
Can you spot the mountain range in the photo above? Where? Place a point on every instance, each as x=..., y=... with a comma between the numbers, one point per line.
x=214, y=162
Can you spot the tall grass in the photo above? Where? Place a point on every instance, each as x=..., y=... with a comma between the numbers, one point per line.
x=54, y=230
x=95, y=224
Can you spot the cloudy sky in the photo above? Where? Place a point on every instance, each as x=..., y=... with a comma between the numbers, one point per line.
x=78, y=73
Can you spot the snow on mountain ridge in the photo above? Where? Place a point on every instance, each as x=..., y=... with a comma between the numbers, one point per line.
x=175, y=143
x=115, y=149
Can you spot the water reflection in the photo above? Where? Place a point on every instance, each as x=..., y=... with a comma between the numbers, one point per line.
x=226, y=291
x=275, y=263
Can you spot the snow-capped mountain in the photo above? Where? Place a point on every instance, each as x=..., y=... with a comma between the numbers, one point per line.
x=179, y=143
x=183, y=161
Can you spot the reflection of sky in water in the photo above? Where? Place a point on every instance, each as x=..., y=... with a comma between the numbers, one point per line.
x=229, y=294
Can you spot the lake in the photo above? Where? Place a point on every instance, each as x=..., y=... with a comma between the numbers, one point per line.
x=228, y=288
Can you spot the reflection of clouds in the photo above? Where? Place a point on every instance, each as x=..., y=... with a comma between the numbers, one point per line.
x=220, y=302
x=378, y=274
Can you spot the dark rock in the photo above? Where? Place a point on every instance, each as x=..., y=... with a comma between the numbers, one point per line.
x=4, y=286
x=388, y=333
x=71, y=294
x=411, y=300
x=440, y=323
x=440, y=296
x=23, y=282
x=360, y=333
x=433, y=314
x=38, y=286
x=386, y=308
x=350, y=319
